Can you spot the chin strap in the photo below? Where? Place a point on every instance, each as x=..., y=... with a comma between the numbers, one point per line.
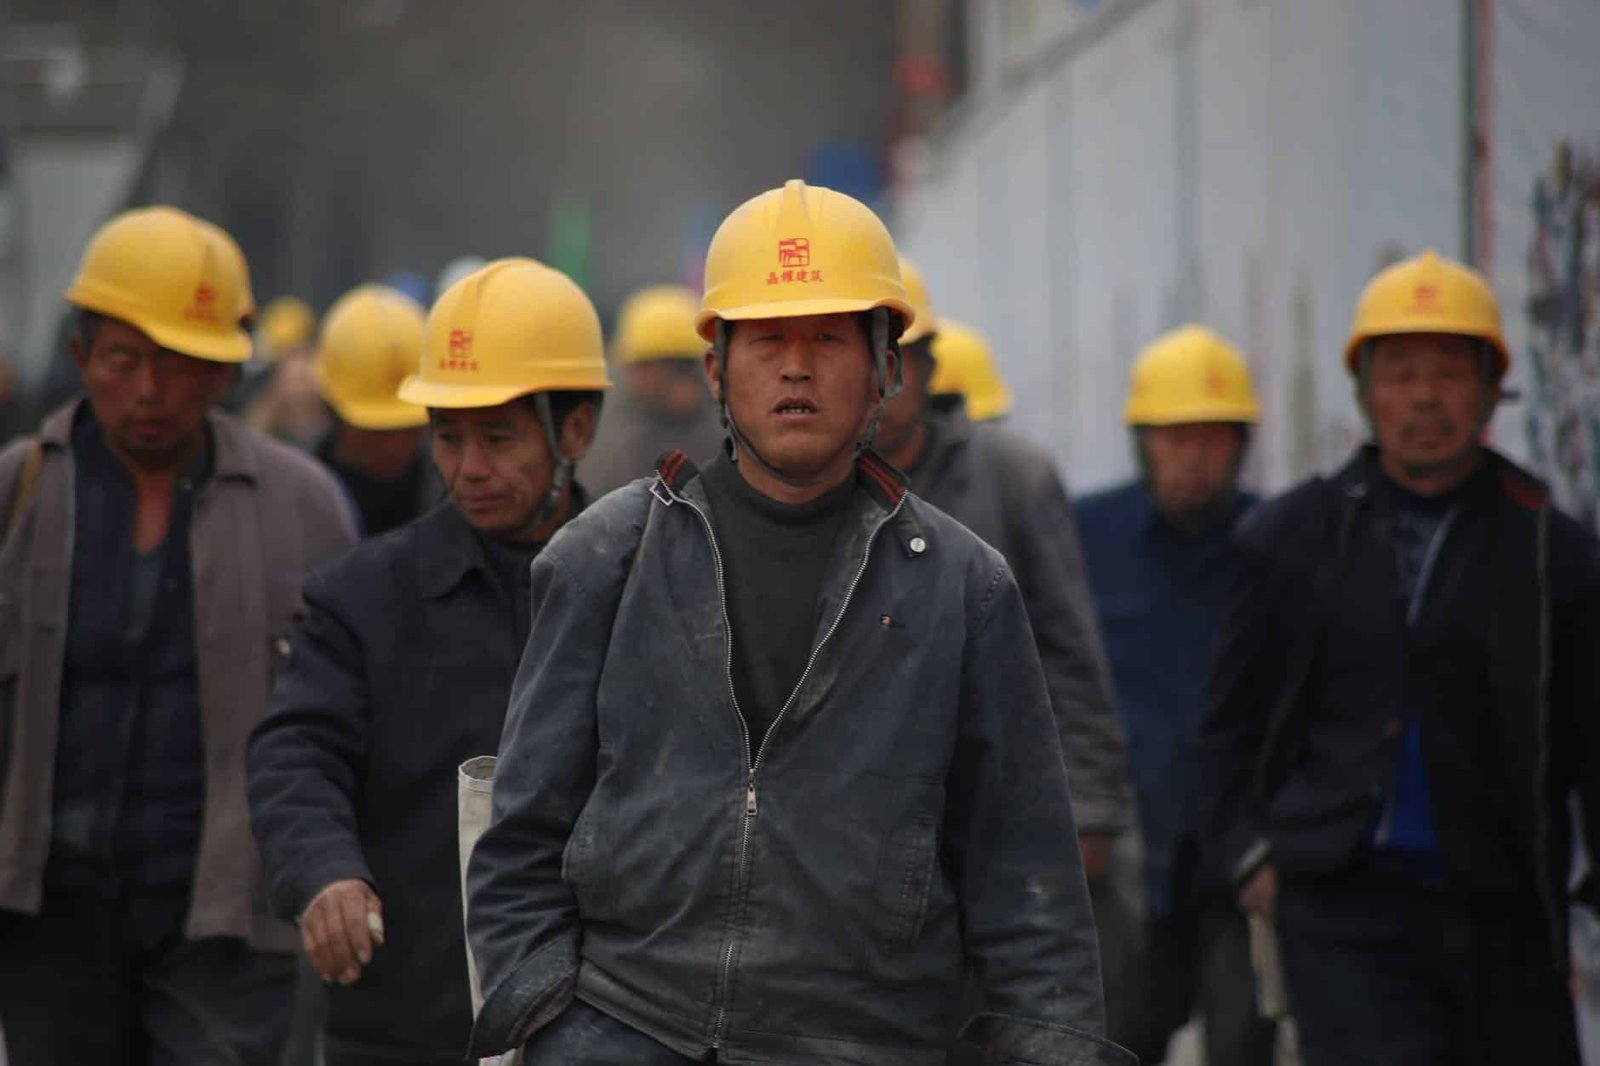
x=738, y=445
x=561, y=477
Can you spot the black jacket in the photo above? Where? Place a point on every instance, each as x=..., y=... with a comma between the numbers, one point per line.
x=399, y=671
x=1317, y=667
x=817, y=898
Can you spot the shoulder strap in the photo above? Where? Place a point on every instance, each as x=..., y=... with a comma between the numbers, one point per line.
x=26, y=487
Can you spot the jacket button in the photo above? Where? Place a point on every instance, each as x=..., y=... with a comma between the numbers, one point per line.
x=917, y=545
x=1391, y=728
x=281, y=646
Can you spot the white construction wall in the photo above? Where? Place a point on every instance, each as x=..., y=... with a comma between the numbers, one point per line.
x=1247, y=163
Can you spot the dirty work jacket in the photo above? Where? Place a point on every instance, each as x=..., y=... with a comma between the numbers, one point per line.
x=815, y=898
x=1317, y=668
x=399, y=672
x=1007, y=491
x=265, y=517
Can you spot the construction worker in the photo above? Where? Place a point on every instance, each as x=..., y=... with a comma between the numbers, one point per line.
x=371, y=340
x=665, y=405
x=402, y=665
x=280, y=398
x=1161, y=559
x=148, y=574
x=964, y=366
x=1403, y=702
x=780, y=765
x=1006, y=490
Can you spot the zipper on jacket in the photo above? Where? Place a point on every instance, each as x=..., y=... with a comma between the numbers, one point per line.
x=751, y=804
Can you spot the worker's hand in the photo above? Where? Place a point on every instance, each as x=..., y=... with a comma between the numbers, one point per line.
x=1260, y=894
x=340, y=928
x=1096, y=851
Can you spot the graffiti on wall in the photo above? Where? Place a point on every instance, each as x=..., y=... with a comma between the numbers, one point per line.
x=1563, y=420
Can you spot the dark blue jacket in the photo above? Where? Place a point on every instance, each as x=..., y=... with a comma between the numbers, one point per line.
x=820, y=898
x=399, y=671
x=1316, y=671
x=1159, y=592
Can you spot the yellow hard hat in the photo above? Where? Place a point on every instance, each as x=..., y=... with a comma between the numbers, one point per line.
x=798, y=251
x=1190, y=375
x=921, y=303
x=658, y=323
x=286, y=322
x=165, y=273
x=512, y=328
x=1428, y=294
x=240, y=268
x=371, y=340
x=964, y=365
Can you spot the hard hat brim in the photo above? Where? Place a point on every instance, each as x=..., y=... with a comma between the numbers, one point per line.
x=214, y=346
x=378, y=415
x=414, y=390
x=704, y=321
x=1170, y=415
x=1352, y=348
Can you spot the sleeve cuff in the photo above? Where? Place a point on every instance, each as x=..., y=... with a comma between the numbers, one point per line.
x=527, y=999
x=291, y=896
x=1254, y=858
x=1009, y=1039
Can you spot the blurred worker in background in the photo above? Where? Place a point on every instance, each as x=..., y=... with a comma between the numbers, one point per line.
x=1403, y=701
x=1161, y=562
x=371, y=340
x=149, y=574
x=281, y=399
x=780, y=766
x=402, y=666
x=964, y=368
x=664, y=404
x=1006, y=490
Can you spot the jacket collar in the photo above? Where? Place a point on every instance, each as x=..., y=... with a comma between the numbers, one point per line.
x=885, y=484
x=1359, y=478
x=234, y=458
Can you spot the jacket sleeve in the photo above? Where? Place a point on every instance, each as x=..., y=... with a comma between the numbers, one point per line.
x=305, y=759
x=1239, y=696
x=1011, y=841
x=522, y=919
x=1050, y=572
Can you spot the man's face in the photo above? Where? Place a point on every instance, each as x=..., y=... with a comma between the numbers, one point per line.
x=903, y=412
x=383, y=454
x=802, y=391
x=150, y=401
x=497, y=466
x=1191, y=467
x=1427, y=399
x=673, y=388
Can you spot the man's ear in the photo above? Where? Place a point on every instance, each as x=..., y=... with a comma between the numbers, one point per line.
x=79, y=351
x=577, y=430
x=713, y=378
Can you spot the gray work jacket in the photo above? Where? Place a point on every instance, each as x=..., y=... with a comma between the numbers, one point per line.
x=264, y=518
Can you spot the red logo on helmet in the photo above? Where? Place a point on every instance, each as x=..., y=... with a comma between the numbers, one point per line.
x=1425, y=297
x=1216, y=383
x=794, y=251
x=204, y=307
x=460, y=342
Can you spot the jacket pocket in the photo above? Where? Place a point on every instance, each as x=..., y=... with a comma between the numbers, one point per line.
x=910, y=877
